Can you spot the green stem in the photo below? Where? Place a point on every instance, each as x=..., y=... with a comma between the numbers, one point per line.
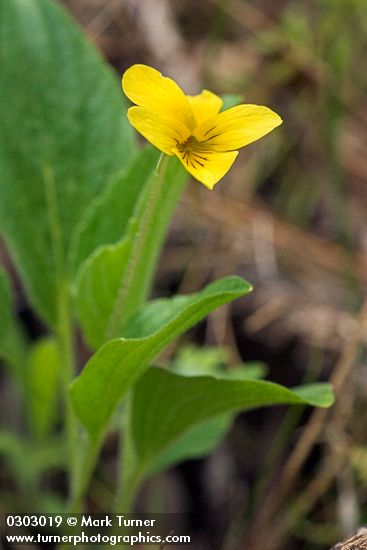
x=129, y=480
x=129, y=476
x=87, y=457
x=66, y=351
x=120, y=310
x=125, y=501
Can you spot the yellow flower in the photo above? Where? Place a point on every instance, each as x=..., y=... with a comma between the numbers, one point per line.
x=191, y=127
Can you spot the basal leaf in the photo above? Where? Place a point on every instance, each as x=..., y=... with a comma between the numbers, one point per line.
x=63, y=135
x=116, y=365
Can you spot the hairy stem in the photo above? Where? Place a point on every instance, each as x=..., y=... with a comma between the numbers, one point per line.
x=120, y=312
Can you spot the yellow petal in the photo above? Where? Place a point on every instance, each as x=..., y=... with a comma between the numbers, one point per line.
x=204, y=105
x=147, y=88
x=162, y=131
x=207, y=167
x=237, y=127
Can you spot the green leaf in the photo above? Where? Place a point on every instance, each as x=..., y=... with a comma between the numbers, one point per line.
x=43, y=371
x=195, y=360
x=204, y=437
x=97, y=288
x=104, y=274
x=110, y=372
x=165, y=406
x=254, y=370
x=106, y=220
x=63, y=135
x=198, y=442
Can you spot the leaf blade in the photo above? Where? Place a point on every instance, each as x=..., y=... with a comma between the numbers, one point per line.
x=116, y=365
x=66, y=121
x=178, y=403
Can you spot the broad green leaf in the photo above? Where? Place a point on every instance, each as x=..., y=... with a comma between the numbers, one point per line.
x=125, y=270
x=42, y=373
x=165, y=405
x=204, y=437
x=63, y=135
x=106, y=220
x=110, y=372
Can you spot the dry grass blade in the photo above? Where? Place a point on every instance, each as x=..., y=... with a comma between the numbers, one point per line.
x=267, y=520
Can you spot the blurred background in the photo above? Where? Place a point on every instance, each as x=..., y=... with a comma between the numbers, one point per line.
x=291, y=218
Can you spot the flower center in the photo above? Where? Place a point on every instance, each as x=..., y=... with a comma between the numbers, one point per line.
x=186, y=146
x=193, y=153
